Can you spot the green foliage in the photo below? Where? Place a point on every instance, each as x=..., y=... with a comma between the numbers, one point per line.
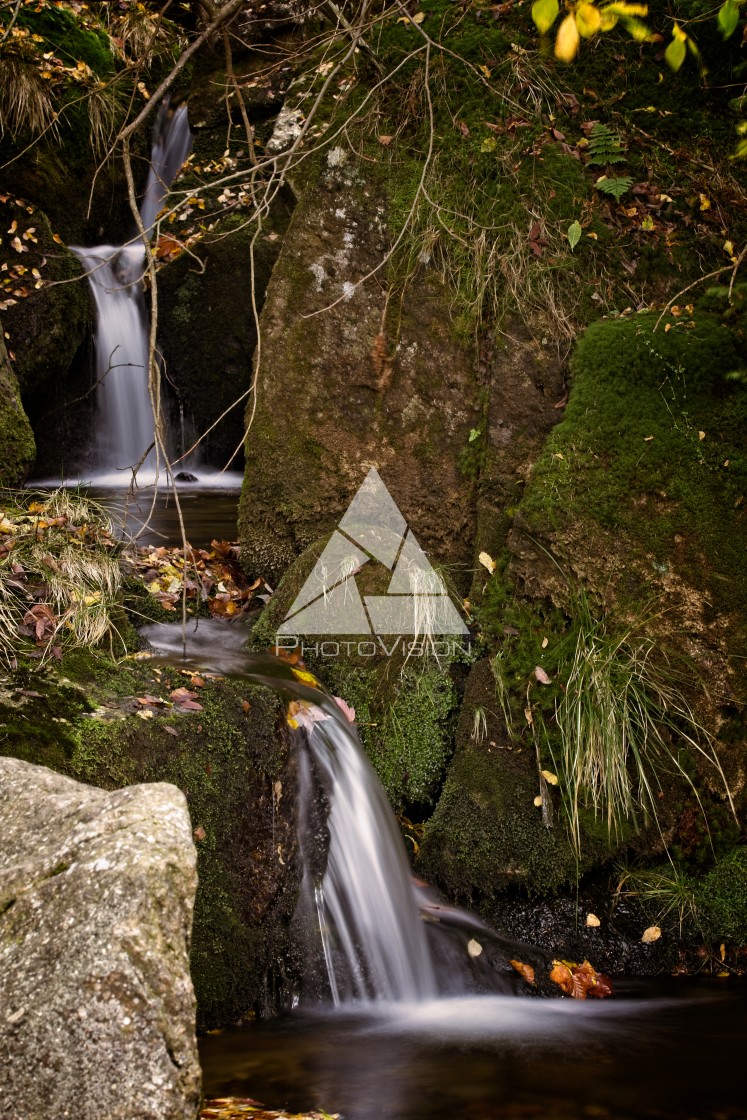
x=574, y=234
x=616, y=188
x=623, y=721
x=666, y=891
x=722, y=898
x=605, y=146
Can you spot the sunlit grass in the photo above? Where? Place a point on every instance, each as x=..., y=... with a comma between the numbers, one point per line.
x=59, y=554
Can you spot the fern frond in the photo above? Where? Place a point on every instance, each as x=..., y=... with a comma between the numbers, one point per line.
x=605, y=146
x=614, y=187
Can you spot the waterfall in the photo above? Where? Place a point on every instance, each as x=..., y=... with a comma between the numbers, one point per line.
x=371, y=931
x=124, y=422
x=373, y=939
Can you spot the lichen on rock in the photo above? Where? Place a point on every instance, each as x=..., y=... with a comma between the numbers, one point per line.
x=96, y=898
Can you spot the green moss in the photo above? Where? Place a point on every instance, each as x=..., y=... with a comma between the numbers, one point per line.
x=629, y=455
x=71, y=37
x=228, y=761
x=721, y=899
x=17, y=447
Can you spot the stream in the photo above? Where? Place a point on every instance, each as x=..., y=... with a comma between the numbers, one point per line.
x=666, y=1049
x=660, y=1050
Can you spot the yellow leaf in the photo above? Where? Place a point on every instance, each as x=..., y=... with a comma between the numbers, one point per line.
x=302, y=675
x=653, y=933
x=701, y=435
x=487, y=561
x=549, y=777
x=544, y=14
x=145, y=713
x=566, y=44
x=485, y=71
x=588, y=20
x=538, y=801
x=593, y=921
x=705, y=202
x=418, y=17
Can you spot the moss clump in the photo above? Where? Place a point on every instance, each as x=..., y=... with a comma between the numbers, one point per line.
x=487, y=833
x=651, y=447
x=721, y=899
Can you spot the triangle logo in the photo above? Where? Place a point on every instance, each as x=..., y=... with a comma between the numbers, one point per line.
x=372, y=528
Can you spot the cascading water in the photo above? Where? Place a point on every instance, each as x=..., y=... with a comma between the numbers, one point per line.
x=125, y=426
x=374, y=941
x=377, y=935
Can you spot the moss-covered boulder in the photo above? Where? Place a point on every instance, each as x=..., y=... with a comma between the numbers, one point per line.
x=81, y=719
x=345, y=381
x=17, y=447
x=488, y=832
x=639, y=496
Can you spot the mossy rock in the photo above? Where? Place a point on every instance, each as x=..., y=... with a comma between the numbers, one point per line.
x=79, y=718
x=721, y=899
x=207, y=330
x=487, y=834
x=405, y=705
x=17, y=448
x=342, y=385
x=639, y=494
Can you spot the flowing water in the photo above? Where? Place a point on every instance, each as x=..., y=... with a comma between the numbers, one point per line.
x=124, y=411
x=390, y=1042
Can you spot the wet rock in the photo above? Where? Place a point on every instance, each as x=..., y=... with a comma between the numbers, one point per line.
x=96, y=1005
x=185, y=476
x=347, y=382
x=16, y=437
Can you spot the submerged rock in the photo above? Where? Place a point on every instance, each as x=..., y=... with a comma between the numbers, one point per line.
x=96, y=899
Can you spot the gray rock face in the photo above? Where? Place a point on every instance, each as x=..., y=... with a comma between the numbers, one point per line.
x=97, y=1009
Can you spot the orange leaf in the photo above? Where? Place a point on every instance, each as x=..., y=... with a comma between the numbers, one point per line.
x=524, y=970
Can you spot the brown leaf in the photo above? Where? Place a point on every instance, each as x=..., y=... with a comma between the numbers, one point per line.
x=562, y=976
x=385, y=140
x=524, y=970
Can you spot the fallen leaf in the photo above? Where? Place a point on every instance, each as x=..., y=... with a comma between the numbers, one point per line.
x=199, y=833
x=701, y=435
x=487, y=561
x=524, y=970
x=541, y=675
x=549, y=777
x=562, y=976
x=385, y=140
x=653, y=933
x=474, y=948
x=538, y=801
x=593, y=921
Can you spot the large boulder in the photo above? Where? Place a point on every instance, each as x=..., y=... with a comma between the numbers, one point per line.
x=348, y=379
x=96, y=898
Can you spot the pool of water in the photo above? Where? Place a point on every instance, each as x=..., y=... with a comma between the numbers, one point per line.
x=208, y=515
x=670, y=1050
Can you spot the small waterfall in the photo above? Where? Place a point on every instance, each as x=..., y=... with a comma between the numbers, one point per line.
x=373, y=932
x=125, y=426
x=373, y=939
